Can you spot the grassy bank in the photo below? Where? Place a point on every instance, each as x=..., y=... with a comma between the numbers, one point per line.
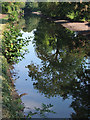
x=12, y=106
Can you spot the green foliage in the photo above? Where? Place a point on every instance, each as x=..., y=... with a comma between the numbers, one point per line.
x=13, y=43
x=8, y=7
x=72, y=15
x=79, y=12
x=63, y=10
x=31, y=6
x=20, y=4
x=11, y=107
x=13, y=16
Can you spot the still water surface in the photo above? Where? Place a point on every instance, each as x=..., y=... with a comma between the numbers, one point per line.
x=53, y=71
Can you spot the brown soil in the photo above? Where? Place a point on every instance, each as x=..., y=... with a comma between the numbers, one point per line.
x=77, y=26
x=74, y=26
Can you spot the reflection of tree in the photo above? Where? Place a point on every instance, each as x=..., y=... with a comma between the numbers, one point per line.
x=64, y=86
x=22, y=23
x=53, y=38
x=81, y=94
x=62, y=72
x=41, y=111
x=31, y=23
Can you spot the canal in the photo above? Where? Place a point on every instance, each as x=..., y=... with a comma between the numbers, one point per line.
x=54, y=71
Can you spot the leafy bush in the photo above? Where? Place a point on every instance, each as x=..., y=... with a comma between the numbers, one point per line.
x=8, y=7
x=13, y=43
x=64, y=10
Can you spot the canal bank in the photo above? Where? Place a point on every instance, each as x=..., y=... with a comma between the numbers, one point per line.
x=78, y=26
x=12, y=106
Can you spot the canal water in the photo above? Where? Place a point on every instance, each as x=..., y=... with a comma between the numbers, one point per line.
x=54, y=71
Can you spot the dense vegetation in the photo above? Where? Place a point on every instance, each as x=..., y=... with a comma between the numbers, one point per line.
x=13, y=43
x=11, y=107
x=31, y=6
x=9, y=7
x=65, y=10
x=61, y=10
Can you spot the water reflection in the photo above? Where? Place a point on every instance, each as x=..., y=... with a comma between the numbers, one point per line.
x=63, y=71
x=31, y=22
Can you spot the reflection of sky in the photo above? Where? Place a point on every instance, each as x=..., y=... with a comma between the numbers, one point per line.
x=35, y=99
x=87, y=62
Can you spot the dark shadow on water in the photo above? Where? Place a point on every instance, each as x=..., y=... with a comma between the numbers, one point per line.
x=31, y=22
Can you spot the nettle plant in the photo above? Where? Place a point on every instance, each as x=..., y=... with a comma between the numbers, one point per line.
x=13, y=45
